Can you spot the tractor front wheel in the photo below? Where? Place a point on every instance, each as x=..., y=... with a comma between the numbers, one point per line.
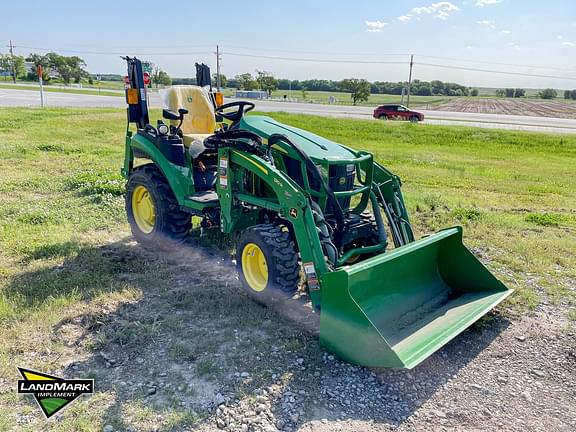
x=153, y=212
x=267, y=263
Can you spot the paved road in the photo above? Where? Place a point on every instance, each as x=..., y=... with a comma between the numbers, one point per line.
x=17, y=98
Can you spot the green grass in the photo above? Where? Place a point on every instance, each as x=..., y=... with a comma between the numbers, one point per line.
x=61, y=90
x=345, y=99
x=72, y=284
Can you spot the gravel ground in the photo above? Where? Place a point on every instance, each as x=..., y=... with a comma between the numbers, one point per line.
x=513, y=376
x=242, y=367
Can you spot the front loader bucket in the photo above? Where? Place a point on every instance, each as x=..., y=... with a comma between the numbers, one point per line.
x=396, y=309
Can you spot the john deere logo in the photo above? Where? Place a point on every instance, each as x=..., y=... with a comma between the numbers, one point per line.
x=52, y=393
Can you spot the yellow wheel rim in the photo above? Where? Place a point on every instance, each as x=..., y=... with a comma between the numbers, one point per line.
x=143, y=209
x=254, y=267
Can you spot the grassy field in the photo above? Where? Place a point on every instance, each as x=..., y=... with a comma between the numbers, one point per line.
x=61, y=90
x=75, y=290
x=345, y=99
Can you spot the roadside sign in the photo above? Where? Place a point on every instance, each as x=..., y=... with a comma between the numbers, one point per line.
x=39, y=73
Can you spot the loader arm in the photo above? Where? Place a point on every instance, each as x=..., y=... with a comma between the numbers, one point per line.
x=288, y=200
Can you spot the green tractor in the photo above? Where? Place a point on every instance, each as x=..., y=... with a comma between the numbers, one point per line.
x=303, y=211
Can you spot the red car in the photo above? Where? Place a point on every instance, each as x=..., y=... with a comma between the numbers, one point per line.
x=397, y=112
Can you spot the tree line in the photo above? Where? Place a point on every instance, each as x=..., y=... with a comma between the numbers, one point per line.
x=265, y=81
x=73, y=69
x=67, y=69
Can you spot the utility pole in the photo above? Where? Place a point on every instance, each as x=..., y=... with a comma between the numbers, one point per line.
x=409, y=81
x=218, y=67
x=13, y=62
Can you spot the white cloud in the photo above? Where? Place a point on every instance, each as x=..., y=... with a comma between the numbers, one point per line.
x=469, y=47
x=482, y=3
x=559, y=37
x=568, y=44
x=404, y=18
x=506, y=32
x=440, y=10
x=513, y=45
x=375, y=26
x=491, y=24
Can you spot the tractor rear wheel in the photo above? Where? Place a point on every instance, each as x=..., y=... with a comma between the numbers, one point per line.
x=153, y=212
x=267, y=263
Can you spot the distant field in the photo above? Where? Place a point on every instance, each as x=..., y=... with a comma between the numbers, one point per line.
x=530, y=107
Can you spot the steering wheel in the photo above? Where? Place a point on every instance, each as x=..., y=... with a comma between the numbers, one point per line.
x=242, y=107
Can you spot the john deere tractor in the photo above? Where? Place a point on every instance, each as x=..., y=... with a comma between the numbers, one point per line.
x=306, y=213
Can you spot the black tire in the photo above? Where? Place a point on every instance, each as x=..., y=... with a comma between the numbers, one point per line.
x=281, y=259
x=414, y=119
x=382, y=117
x=171, y=225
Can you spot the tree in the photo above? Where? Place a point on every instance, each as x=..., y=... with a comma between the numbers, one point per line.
x=15, y=65
x=223, y=80
x=246, y=81
x=500, y=93
x=515, y=92
x=5, y=66
x=474, y=92
x=548, y=94
x=37, y=60
x=570, y=94
x=159, y=77
x=359, y=89
x=267, y=82
x=68, y=68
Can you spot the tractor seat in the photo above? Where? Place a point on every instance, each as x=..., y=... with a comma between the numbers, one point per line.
x=200, y=121
x=190, y=138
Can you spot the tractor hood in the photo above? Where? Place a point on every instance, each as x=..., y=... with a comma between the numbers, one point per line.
x=316, y=147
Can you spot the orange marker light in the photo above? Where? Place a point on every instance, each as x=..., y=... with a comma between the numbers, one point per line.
x=132, y=96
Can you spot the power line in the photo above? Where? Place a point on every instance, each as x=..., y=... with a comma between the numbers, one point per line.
x=496, y=71
x=319, y=52
x=462, y=60
x=311, y=60
x=183, y=53
x=497, y=63
x=115, y=53
x=339, y=61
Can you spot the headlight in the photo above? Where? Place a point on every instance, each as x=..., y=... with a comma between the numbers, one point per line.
x=163, y=129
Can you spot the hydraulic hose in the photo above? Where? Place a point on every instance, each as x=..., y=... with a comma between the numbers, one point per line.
x=313, y=170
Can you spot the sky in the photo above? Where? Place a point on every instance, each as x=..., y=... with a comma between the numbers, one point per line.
x=312, y=39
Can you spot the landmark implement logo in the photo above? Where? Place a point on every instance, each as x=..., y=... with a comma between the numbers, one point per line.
x=52, y=393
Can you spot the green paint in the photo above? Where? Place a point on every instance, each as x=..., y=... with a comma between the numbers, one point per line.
x=51, y=405
x=392, y=310
x=396, y=309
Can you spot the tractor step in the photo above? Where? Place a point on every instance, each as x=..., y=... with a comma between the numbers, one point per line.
x=206, y=197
